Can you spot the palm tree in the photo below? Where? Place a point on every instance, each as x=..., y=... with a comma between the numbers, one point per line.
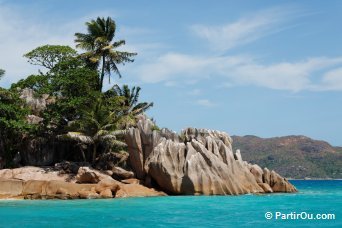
x=103, y=123
x=98, y=126
x=130, y=103
x=100, y=50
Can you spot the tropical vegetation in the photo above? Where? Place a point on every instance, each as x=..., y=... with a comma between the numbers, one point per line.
x=101, y=50
x=69, y=102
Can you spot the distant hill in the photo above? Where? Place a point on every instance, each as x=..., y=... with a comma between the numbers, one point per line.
x=292, y=156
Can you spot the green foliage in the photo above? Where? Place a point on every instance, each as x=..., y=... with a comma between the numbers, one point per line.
x=155, y=128
x=49, y=55
x=12, y=112
x=131, y=106
x=292, y=156
x=74, y=87
x=100, y=50
x=13, y=124
x=100, y=121
x=39, y=83
x=76, y=108
x=2, y=73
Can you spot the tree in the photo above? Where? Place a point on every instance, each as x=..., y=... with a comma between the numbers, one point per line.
x=49, y=55
x=71, y=85
x=13, y=125
x=39, y=83
x=74, y=87
x=98, y=126
x=131, y=106
x=100, y=49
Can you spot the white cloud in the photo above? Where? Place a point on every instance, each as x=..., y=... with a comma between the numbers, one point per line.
x=205, y=103
x=20, y=33
x=316, y=73
x=244, y=30
x=285, y=76
x=187, y=67
x=242, y=70
x=332, y=80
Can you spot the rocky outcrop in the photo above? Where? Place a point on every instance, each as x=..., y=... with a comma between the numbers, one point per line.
x=95, y=185
x=276, y=182
x=137, y=190
x=198, y=161
x=34, y=173
x=38, y=189
x=33, y=119
x=40, y=151
x=88, y=175
x=10, y=188
x=121, y=174
x=36, y=103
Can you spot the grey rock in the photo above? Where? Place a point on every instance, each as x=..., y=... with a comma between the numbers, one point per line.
x=37, y=104
x=120, y=173
x=32, y=119
x=87, y=175
x=199, y=161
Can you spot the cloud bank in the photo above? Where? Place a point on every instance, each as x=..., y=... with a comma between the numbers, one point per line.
x=316, y=73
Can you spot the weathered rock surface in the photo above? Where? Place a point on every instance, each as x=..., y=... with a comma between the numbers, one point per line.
x=137, y=190
x=69, y=167
x=10, y=187
x=32, y=119
x=38, y=189
x=199, y=161
x=131, y=181
x=265, y=187
x=277, y=183
x=88, y=175
x=37, y=104
x=33, y=173
x=120, y=173
x=42, y=189
x=39, y=183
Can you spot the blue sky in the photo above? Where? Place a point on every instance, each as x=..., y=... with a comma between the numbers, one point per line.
x=267, y=68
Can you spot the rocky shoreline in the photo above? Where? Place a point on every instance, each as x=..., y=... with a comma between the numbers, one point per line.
x=196, y=162
x=38, y=183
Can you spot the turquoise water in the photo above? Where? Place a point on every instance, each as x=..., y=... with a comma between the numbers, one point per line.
x=181, y=211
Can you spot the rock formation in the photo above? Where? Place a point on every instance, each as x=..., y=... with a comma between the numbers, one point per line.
x=33, y=173
x=36, y=103
x=37, y=183
x=196, y=162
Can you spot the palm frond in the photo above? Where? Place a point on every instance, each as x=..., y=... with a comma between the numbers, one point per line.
x=141, y=107
x=119, y=43
x=76, y=136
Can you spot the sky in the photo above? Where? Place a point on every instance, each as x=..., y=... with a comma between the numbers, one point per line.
x=265, y=68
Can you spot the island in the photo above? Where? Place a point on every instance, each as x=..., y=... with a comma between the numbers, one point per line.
x=63, y=135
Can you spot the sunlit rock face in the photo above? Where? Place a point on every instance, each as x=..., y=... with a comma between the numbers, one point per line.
x=196, y=162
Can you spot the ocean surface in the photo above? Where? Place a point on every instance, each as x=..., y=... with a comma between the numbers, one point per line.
x=314, y=197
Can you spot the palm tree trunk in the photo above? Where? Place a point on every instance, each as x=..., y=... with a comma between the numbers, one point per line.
x=94, y=152
x=102, y=72
x=83, y=155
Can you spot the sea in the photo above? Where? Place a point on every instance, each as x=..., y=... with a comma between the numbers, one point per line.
x=317, y=204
